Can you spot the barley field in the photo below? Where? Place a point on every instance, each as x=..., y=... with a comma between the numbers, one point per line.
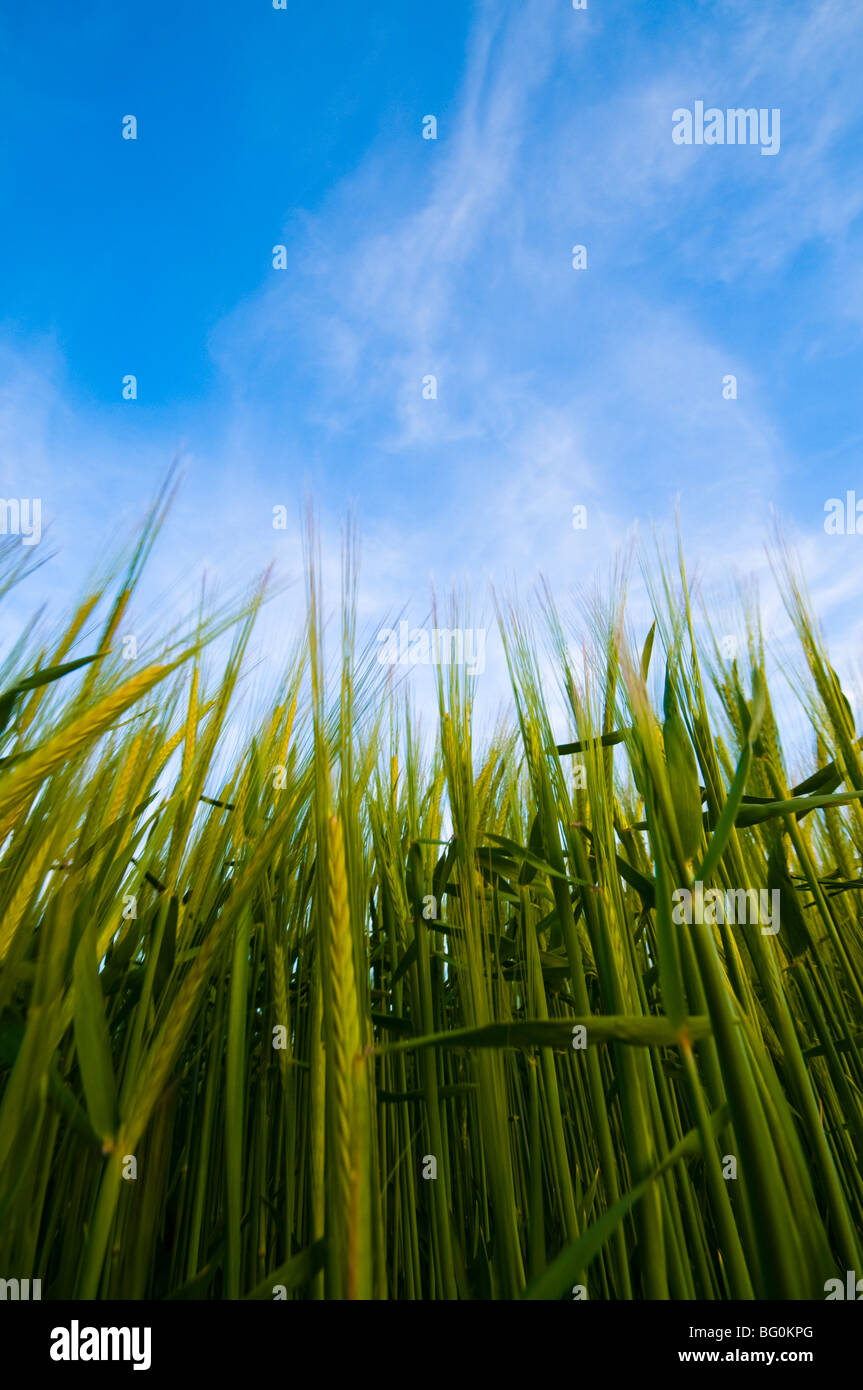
x=336, y=1007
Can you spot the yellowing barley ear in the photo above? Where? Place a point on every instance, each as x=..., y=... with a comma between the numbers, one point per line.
x=343, y=1024
x=166, y=750
x=67, y=641
x=349, y=1147
x=26, y=890
x=123, y=782
x=190, y=731
x=25, y=781
x=286, y=740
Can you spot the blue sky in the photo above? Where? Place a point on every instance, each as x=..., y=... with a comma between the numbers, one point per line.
x=408, y=257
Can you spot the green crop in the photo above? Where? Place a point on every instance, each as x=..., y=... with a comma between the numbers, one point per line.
x=332, y=1007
